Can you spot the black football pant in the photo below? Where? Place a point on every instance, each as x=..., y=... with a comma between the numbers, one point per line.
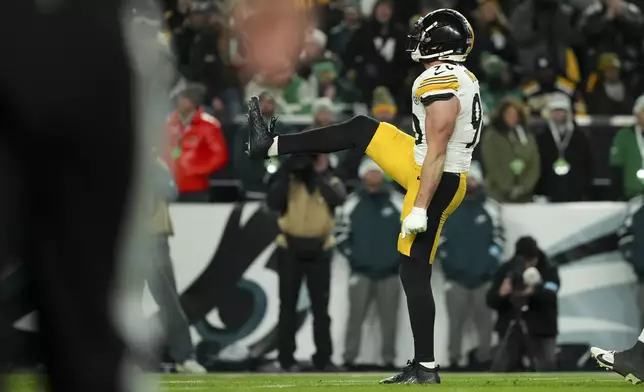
x=66, y=156
x=292, y=270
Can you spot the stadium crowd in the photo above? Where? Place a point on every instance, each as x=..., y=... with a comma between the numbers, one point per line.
x=586, y=55
x=557, y=79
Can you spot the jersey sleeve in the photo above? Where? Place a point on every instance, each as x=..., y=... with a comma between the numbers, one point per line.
x=437, y=88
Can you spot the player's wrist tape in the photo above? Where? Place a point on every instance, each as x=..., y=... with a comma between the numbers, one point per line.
x=419, y=211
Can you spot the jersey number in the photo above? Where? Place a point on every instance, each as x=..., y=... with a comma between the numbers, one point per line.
x=477, y=120
x=419, y=132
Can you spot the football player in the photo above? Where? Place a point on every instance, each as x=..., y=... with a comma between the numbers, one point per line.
x=628, y=363
x=447, y=121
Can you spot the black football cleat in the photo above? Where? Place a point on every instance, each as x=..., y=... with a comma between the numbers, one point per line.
x=406, y=374
x=260, y=135
x=424, y=375
x=628, y=363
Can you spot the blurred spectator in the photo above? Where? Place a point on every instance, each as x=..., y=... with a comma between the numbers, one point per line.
x=369, y=226
x=614, y=26
x=305, y=193
x=469, y=269
x=498, y=82
x=607, y=92
x=196, y=145
x=383, y=109
x=292, y=93
x=254, y=173
x=510, y=156
x=543, y=28
x=493, y=35
x=200, y=57
x=627, y=155
x=175, y=14
x=161, y=280
x=566, y=158
x=314, y=51
x=524, y=294
x=330, y=85
x=329, y=13
x=323, y=113
x=376, y=54
x=341, y=35
x=546, y=81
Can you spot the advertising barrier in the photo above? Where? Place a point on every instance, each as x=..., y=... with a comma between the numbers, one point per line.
x=225, y=267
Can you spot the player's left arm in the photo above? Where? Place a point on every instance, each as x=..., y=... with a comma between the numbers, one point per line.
x=439, y=126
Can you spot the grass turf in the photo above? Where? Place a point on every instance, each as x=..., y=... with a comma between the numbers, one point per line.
x=575, y=382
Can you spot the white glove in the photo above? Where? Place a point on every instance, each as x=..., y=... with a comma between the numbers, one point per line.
x=415, y=222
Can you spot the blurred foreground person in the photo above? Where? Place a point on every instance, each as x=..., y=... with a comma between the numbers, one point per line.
x=67, y=146
x=161, y=280
x=628, y=363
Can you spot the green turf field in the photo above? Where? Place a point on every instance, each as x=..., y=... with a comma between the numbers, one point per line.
x=578, y=382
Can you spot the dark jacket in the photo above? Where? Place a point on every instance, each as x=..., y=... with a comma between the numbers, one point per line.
x=542, y=311
x=622, y=35
x=477, y=221
x=544, y=28
x=575, y=186
x=377, y=54
x=369, y=224
x=599, y=103
x=631, y=236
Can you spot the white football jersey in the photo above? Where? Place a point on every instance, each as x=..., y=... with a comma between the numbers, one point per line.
x=446, y=80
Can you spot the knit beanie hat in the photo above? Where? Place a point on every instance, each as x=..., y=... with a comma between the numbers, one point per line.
x=367, y=165
x=383, y=101
x=608, y=60
x=639, y=105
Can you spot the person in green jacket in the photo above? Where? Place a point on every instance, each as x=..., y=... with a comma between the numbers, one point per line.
x=627, y=157
x=510, y=156
x=468, y=270
x=369, y=223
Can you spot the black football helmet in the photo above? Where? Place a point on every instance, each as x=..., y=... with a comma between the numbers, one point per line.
x=443, y=34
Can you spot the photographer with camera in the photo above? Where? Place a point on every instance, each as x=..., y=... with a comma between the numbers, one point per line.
x=305, y=193
x=524, y=293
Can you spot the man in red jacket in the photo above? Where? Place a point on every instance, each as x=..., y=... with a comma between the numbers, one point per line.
x=196, y=146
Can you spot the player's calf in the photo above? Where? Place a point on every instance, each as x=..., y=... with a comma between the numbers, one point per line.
x=355, y=133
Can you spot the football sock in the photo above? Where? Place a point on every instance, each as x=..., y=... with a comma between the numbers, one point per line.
x=354, y=133
x=272, y=150
x=428, y=365
x=415, y=276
